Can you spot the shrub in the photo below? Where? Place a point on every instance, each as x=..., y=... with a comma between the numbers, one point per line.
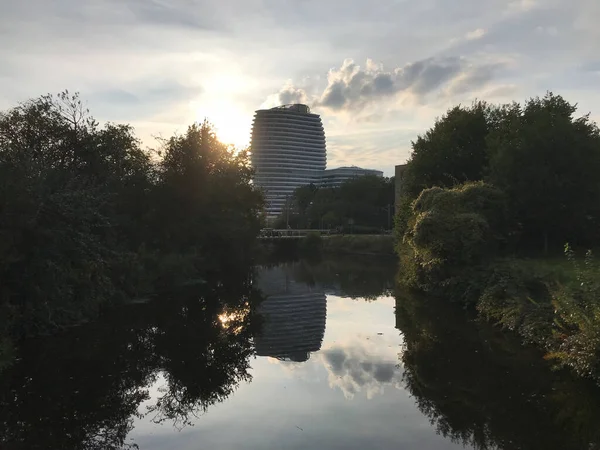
x=451, y=233
x=576, y=335
x=311, y=245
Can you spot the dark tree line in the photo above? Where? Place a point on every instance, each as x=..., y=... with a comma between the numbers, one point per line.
x=544, y=158
x=530, y=186
x=360, y=205
x=87, y=217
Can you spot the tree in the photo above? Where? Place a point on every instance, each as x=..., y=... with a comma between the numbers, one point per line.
x=65, y=187
x=87, y=219
x=452, y=152
x=548, y=162
x=368, y=201
x=206, y=199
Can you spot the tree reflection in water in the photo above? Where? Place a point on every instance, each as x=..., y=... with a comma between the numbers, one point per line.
x=481, y=388
x=83, y=389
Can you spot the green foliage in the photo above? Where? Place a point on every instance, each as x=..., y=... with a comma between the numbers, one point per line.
x=516, y=298
x=544, y=158
x=86, y=214
x=576, y=335
x=454, y=151
x=311, y=245
x=547, y=162
x=540, y=166
x=404, y=212
x=452, y=231
x=363, y=203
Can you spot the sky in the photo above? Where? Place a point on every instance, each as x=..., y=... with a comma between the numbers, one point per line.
x=379, y=72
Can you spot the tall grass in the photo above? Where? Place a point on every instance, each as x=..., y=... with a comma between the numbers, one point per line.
x=576, y=334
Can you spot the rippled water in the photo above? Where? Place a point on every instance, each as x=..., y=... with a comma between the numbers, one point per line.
x=326, y=355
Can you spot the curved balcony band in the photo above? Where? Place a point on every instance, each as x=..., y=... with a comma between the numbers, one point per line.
x=288, y=151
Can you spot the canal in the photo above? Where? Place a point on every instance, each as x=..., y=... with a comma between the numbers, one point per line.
x=321, y=355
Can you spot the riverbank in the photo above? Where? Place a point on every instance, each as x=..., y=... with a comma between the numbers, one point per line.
x=360, y=244
x=548, y=302
x=460, y=244
x=314, y=244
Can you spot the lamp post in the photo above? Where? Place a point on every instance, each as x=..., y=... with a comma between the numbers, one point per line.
x=388, y=208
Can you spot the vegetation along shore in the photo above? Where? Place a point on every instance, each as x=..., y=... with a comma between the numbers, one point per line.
x=89, y=219
x=500, y=212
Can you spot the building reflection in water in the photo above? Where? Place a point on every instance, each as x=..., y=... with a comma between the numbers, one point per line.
x=294, y=315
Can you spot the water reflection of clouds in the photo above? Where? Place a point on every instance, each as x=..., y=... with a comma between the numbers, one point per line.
x=354, y=370
x=352, y=367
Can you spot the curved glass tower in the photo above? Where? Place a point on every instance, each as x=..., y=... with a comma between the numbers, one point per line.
x=288, y=151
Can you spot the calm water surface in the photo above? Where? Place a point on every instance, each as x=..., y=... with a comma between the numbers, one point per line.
x=302, y=355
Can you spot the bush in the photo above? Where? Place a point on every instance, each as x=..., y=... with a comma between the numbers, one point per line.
x=311, y=245
x=576, y=335
x=451, y=233
x=87, y=218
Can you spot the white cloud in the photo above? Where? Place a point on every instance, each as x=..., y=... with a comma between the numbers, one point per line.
x=355, y=369
x=475, y=34
x=353, y=88
x=160, y=65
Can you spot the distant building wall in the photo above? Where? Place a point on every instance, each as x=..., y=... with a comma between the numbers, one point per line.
x=336, y=177
x=399, y=177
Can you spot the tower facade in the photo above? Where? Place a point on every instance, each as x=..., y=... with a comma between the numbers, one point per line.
x=288, y=151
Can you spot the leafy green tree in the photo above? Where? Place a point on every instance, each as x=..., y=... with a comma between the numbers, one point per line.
x=65, y=186
x=453, y=151
x=367, y=201
x=548, y=161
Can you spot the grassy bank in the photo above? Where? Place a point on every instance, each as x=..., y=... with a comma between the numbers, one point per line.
x=549, y=302
x=459, y=245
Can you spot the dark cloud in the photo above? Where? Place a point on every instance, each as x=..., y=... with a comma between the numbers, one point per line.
x=353, y=87
x=475, y=77
x=336, y=358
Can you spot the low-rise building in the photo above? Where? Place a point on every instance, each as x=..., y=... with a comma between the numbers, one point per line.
x=334, y=178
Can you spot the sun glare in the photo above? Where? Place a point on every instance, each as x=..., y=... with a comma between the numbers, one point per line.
x=231, y=123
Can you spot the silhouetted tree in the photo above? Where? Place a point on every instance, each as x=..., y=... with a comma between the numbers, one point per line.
x=548, y=162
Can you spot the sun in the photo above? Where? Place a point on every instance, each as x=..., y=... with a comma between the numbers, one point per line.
x=232, y=124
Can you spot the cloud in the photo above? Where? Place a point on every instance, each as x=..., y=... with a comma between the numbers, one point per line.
x=475, y=34
x=549, y=30
x=355, y=370
x=520, y=6
x=153, y=96
x=352, y=87
x=287, y=94
x=234, y=54
x=469, y=80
